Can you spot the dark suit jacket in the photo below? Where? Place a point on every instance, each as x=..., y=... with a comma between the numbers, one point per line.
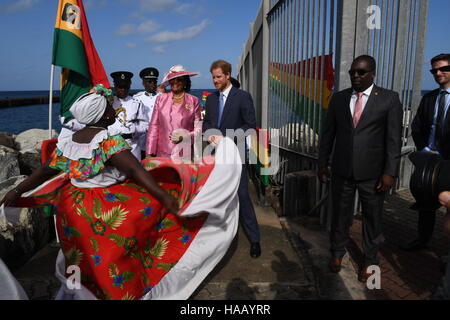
x=372, y=148
x=238, y=112
x=423, y=121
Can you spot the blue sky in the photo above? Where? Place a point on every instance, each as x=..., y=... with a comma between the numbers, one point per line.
x=132, y=34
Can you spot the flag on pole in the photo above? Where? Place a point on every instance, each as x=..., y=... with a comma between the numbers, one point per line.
x=74, y=51
x=205, y=94
x=259, y=147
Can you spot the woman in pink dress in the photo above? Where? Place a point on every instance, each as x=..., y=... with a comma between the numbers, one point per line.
x=176, y=119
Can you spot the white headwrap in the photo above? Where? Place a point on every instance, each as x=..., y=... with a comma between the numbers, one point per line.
x=89, y=108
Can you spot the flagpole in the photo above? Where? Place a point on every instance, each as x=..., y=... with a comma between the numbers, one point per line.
x=50, y=102
x=50, y=108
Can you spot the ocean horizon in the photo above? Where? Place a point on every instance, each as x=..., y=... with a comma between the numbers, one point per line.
x=15, y=120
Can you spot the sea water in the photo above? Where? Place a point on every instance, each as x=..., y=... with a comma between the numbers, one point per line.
x=15, y=120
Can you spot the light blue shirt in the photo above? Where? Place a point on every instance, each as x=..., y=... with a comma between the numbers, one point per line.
x=431, y=140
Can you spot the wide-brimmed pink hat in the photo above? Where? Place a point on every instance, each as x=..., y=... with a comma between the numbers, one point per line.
x=177, y=71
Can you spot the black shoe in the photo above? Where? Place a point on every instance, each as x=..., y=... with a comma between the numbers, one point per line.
x=415, y=245
x=255, y=250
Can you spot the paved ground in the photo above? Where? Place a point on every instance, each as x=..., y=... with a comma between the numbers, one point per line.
x=404, y=275
x=293, y=264
x=280, y=272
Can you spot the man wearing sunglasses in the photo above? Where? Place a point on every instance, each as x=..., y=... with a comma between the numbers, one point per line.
x=363, y=124
x=431, y=133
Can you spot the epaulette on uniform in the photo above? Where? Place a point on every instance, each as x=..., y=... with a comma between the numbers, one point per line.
x=140, y=93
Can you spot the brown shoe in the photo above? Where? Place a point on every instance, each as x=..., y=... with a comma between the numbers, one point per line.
x=335, y=264
x=363, y=274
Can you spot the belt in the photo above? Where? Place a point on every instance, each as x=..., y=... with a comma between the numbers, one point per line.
x=127, y=136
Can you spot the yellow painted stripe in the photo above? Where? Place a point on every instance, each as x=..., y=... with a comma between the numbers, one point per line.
x=73, y=24
x=309, y=88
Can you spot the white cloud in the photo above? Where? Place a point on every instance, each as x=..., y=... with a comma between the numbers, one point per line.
x=187, y=33
x=184, y=8
x=18, y=6
x=158, y=5
x=95, y=3
x=159, y=49
x=165, y=5
x=145, y=27
x=126, y=29
x=131, y=45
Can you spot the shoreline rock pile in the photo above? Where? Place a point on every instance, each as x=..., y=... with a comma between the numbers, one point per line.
x=27, y=229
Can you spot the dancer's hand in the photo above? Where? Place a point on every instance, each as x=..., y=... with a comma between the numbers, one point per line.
x=10, y=198
x=170, y=204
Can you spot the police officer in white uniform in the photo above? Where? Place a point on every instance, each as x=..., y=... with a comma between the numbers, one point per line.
x=147, y=97
x=130, y=122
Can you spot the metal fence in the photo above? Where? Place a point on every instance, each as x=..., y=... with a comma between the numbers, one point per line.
x=299, y=51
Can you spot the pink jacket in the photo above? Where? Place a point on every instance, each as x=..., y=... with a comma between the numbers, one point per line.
x=166, y=118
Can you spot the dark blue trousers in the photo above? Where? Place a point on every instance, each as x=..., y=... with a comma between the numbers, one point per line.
x=247, y=214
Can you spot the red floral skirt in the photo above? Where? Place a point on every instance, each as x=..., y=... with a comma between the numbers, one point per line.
x=120, y=237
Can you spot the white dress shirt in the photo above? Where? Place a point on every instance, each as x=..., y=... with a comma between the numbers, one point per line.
x=133, y=123
x=225, y=94
x=148, y=102
x=366, y=96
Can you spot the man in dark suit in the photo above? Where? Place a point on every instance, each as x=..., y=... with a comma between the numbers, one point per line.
x=364, y=126
x=232, y=108
x=431, y=133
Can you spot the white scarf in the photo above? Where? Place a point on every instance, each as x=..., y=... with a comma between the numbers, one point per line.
x=89, y=108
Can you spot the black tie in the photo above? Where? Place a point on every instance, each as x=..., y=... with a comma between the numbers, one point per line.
x=440, y=120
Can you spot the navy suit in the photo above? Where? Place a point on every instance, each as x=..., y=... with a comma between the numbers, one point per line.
x=420, y=131
x=238, y=113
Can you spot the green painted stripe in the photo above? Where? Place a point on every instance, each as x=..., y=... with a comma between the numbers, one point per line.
x=68, y=52
x=300, y=105
x=76, y=86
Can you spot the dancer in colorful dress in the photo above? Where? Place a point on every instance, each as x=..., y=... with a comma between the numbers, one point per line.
x=133, y=233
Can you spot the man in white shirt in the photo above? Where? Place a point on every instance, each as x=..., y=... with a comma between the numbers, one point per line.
x=147, y=97
x=130, y=122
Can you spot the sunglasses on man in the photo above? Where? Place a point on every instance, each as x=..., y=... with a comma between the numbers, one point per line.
x=441, y=69
x=360, y=72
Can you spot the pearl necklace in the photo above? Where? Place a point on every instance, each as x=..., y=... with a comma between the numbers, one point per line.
x=179, y=99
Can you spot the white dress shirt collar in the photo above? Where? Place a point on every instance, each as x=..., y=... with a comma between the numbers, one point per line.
x=226, y=92
x=367, y=92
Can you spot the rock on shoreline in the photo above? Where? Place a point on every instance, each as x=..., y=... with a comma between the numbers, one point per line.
x=28, y=230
